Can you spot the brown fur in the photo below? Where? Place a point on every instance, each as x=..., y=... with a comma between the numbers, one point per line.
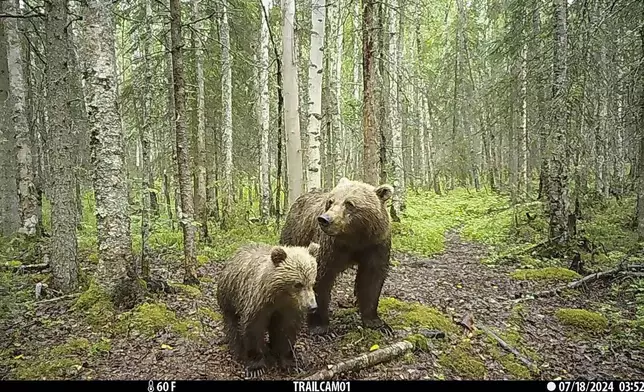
x=261, y=289
x=359, y=233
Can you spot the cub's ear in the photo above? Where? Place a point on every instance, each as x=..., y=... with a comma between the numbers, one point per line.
x=278, y=255
x=314, y=249
x=384, y=192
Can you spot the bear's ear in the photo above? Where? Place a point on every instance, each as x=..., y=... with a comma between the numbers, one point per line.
x=314, y=249
x=343, y=182
x=384, y=192
x=278, y=255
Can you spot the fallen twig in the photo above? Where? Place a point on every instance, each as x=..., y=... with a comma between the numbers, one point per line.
x=363, y=361
x=634, y=274
x=62, y=297
x=510, y=349
x=571, y=285
x=28, y=267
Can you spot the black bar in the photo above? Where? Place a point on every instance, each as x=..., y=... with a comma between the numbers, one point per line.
x=322, y=386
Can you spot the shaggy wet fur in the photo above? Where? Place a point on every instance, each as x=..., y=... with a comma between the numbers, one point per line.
x=261, y=289
x=357, y=231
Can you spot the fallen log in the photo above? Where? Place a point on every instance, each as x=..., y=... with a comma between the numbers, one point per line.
x=375, y=357
x=510, y=349
x=62, y=297
x=363, y=361
x=571, y=285
x=27, y=267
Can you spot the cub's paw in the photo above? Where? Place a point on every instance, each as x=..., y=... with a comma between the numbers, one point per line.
x=379, y=326
x=322, y=333
x=255, y=369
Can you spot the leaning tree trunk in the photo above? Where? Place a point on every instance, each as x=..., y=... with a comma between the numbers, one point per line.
x=61, y=142
x=18, y=105
x=558, y=181
x=315, y=93
x=183, y=163
x=116, y=273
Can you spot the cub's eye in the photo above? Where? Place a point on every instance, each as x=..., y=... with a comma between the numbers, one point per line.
x=349, y=204
x=329, y=203
x=299, y=286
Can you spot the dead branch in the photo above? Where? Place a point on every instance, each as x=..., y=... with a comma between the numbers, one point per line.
x=633, y=274
x=363, y=361
x=571, y=285
x=28, y=267
x=529, y=204
x=62, y=297
x=509, y=348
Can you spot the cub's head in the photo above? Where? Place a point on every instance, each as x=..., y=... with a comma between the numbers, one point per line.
x=355, y=207
x=295, y=273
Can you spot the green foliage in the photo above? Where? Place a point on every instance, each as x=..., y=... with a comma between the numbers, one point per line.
x=609, y=224
x=149, y=319
x=548, y=274
x=400, y=314
x=428, y=216
x=582, y=319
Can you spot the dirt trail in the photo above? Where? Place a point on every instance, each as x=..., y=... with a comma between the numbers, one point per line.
x=455, y=282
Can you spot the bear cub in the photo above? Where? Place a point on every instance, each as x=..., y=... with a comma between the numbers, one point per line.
x=265, y=288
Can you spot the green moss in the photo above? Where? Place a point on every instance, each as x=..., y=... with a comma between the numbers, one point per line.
x=419, y=341
x=401, y=314
x=93, y=258
x=202, y=260
x=211, y=314
x=549, y=274
x=95, y=305
x=362, y=337
x=582, y=319
x=191, y=291
x=516, y=314
x=151, y=318
x=516, y=369
x=461, y=361
x=409, y=358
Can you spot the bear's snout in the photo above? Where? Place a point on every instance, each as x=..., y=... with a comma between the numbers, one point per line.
x=324, y=220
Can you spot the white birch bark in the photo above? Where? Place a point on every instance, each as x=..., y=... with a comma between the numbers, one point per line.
x=393, y=108
x=291, y=103
x=316, y=72
x=264, y=114
x=227, y=120
x=18, y=109
x=334, y=44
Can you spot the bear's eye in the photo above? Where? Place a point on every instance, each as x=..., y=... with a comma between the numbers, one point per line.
x=299, y=286
x=349, y=204
x=329, y=203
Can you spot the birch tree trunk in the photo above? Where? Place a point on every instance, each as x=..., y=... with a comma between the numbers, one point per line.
x=558, y=181
x=316, y=72
x=264, y=115
x=394, y=111
x=201, y=197
x=227, y=122
x=116, y=273
x=336, y=89
x=18, y=104
x=183, y=163
x=61, y=148
x=9, y=203
x=371, y=134
x=291, y=103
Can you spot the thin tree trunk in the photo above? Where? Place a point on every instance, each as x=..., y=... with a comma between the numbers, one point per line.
x=264, y=115
x=170, y=113
x=227, y=123
x=371, y=156
x=183, y=163
x=393, y=106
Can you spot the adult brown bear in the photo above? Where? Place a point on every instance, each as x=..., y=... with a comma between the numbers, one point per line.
x=353, y=227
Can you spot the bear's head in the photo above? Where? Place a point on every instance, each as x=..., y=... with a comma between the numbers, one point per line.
x=295, y=272
x=355, y=209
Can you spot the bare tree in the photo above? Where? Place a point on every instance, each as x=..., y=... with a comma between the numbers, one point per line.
x=316, y=71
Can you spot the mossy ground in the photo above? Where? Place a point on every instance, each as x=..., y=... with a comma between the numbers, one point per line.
x=189, y=322
x=582, y=319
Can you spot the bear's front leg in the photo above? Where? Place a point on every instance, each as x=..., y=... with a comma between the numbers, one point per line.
x=282, y=332
x=370, y=277
x=255, y=350
x=319, y=320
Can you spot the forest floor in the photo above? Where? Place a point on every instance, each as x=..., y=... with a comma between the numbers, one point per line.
x=179, y=335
